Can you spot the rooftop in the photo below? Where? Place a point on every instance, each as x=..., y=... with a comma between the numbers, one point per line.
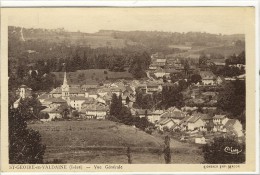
x=219, y=116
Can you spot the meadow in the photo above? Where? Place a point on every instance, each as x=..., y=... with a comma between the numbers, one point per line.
x=93, y=75
x=94, y=141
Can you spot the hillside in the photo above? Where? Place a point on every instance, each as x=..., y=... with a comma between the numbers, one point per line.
x=93, y=133
x=121, y=39
x=106, y=142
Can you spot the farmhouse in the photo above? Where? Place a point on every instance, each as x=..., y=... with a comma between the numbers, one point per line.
x=94, y=111
x=76, y=102
x=175, y=114
x=207, y=77
x=165, y=123
x=220, y=119
x=160, y=62
x=53, y=113
x=195, y=122
x=152, y=87
x=233, y=126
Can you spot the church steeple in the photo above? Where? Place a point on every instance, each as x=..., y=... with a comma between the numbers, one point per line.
x=65, y=89
x=65, y=79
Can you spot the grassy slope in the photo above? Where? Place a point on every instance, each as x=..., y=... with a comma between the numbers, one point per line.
x=93, y=73
x=90, y=142
x=93, y=133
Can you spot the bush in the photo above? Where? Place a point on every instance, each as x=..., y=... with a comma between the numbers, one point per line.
x=219, y=151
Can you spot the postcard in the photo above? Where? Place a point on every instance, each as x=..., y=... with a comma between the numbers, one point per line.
x=128, y=89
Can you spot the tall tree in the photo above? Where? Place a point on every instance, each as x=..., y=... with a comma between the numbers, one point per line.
x=24, y=144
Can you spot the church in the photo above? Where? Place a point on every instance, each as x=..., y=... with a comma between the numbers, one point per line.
x=74, y=96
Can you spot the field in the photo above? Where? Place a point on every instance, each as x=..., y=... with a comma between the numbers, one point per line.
x=94, y=141
x=220, y=49
x=93, y=74
x=224, y=50
x=82, y=39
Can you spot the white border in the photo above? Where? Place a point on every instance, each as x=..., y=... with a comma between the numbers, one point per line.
x=126, y=3
x=143, y=3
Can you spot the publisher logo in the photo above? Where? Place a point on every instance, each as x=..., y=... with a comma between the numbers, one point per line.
x=232, y=150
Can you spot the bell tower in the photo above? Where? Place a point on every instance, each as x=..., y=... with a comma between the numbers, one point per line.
x=65, y=93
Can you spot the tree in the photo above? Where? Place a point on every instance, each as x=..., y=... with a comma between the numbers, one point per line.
x=219, y=151
x=167, y=150
x=232, y=99
x=25, y=145
x=139, y=64
x=127, y=100
x=195, y=78
x=113, y=105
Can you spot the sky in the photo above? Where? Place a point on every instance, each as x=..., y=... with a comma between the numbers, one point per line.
x=225, y=20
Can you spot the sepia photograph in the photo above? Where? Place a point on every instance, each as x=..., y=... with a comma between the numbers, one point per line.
x=107, y=85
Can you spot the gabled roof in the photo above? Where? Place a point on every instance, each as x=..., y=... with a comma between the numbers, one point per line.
x=76, y=90
x=152, y=85
x=193, y=119
x=88, y=100
x=23, y=86
x=207, y=75
x=56, y=91
x=77, y=98
x=94, y=107
x=206, y=117
x=230, y=124
x=43, y=96
x=52, y=110
x=219, y=116
x=173, y=113
x=165, y=121
x=56, y=100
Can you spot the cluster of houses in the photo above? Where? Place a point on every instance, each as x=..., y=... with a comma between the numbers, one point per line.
x=92, y=100
x=175, y=119
x=164, y=66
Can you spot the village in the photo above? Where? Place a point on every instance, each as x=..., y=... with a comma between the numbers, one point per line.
x=197, y=120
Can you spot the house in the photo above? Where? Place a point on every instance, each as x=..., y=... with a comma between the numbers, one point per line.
x=200, y=140
x=220, y=80
x=43, y=97
x=53, y=113
x=152, y=67
x=116, y=90
x=234, y=126
x=160, y=62
x=175, y=114
x=155, y=116
x=94, y=111
x=159, y=73
x=90, y=85
x=24, y=92
x=195, y=122
x=207, y=77
x=152, y=87
x=189, y=109
x=165, y=123
x=55, y=102
x=152, y=116
x=220, y=119
x=76, y=102
x=156, y=56
x=102, y=92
